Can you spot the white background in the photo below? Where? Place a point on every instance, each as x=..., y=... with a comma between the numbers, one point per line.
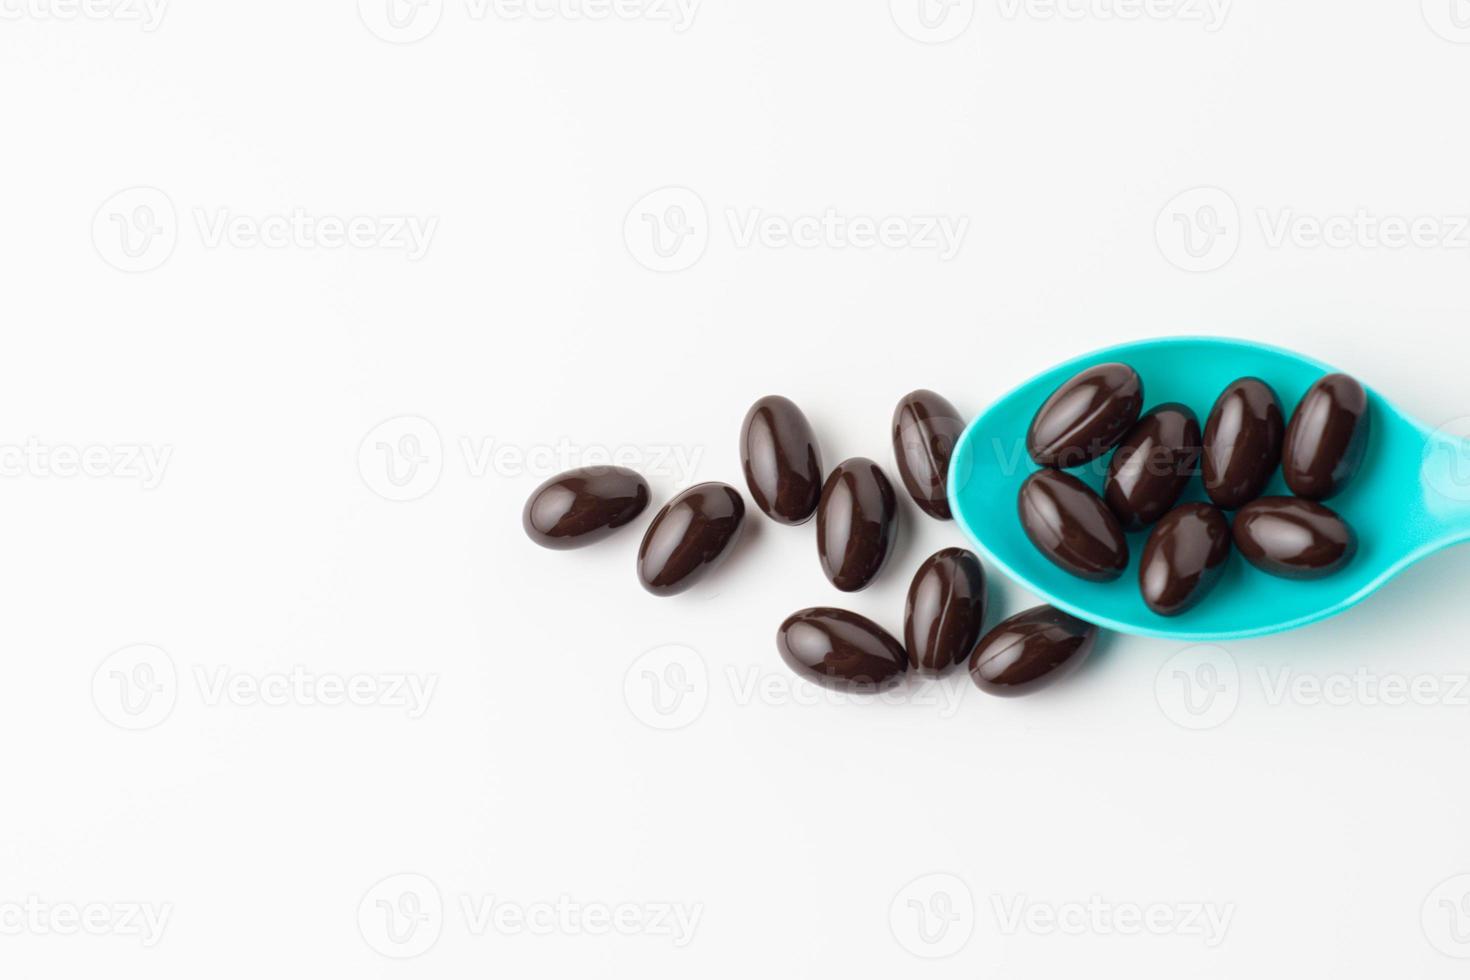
x=288, y=386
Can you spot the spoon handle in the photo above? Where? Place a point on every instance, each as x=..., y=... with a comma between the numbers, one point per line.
x=1445, y=475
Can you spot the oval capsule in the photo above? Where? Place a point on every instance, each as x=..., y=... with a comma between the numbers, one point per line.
x=1293, y=538
x=840, y=649
x=1326, y=438
x=582, y=506
x=945, y=610
x=689, y=537
x=925, y=429
x=857, y=523
x=782, y=464
x=1152, y=465
x=1242, y=442
x=1070, y=525
x=1183, y=558
x=1030, y=651
x=1086, y=416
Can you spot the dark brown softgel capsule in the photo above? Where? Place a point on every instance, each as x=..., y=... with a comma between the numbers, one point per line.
x=925, y=430
x=1152, y=465
x=1086, y=416
x=1293, y=538
x=840, y=649
x=1242, y=442
x=691, y=535
x=1031, y=650
x=1326, y=438
x=783, y=467
x=945, y=610
x=1071, y=525
x=1183, y=558
x=857, y=523
x=579, y=507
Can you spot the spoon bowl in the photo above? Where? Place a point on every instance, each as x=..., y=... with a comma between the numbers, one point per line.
x=1410, y=498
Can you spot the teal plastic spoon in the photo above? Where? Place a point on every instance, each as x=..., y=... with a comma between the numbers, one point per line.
x=1410, y=499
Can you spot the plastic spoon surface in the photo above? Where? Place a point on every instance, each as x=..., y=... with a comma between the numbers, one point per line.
x=1410, y=499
